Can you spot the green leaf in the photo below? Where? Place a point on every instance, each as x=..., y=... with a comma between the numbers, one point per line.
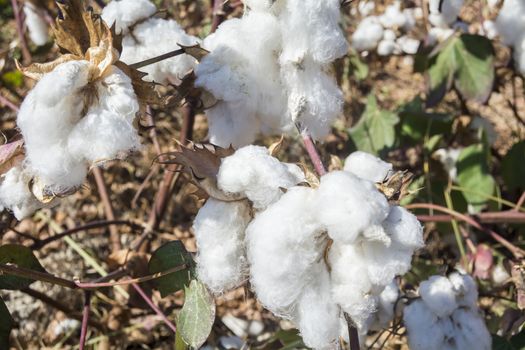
x=516, y=342
x=357, y=68
x=6, y=324
x=416, y=124
x=13, y=78
x=465, y=60
x=474, y=174
x=22, y=257
x=197, y=315
x=513, y=167
x=375, y=131
x=168, y=256
x=179, y=342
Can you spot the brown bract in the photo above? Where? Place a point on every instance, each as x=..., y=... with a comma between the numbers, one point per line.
x=11, y=154
x=83, y=35
x=395, y=187
x=202, y=163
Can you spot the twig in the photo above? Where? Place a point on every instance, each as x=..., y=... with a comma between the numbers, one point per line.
x=520, y=203
x=508, y=216
x=11, y=105
x=20, y=30
x=85, y=319
x=155, y=308
x=114, y=236
x=353, y=335
x=88, y=226
x=516, y=251
x=218, y=15
x=156, y=59
x=313, y=154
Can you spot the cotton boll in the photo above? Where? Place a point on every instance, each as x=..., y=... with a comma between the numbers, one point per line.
x=259, y=5
x=386, y=262
x=125, y=13
x=367, y=166
x=107, y=131
x=411, y=16
x=404, y=228
x=519, y=55
x=283, y=251
x=317, y=316
x=314, y=98
x=348, y=205
x=365, y=8
x=421, y=324
x=437, y=35
x=393, y=17
x=367, y=34
x=311, y=28
x=253, y=172
x=389, y=35
x=386, y=48
x=46, y=118
x=471, y=331
x=439, y=295
x=500, y=275
x=510, y=22
x=351, y=287
x=385, y=311
x=465, y=289
x=219, y=229
x=408, y=45
x=444, y=13
x=15, y=194
x=449, y=158
x=490, y=28
x=156, y=37
x=36, y=25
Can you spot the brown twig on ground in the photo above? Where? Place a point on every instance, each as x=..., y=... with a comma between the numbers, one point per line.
x=11, y=105
x=85, y=319
x=516, y=251
x=26, y=54
x=114, y=236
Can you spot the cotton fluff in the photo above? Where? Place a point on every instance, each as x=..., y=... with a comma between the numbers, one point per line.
x=253, y=172
x=349, y=206
x=385, y=307
x=219, y=232
x=443, y=13
x=367, y=34
x=393, y=17
x=510, y=25
x=60, y=141
x=150, y=37
x=367, y=167
x=36, y=25
x=446, y=316
x=15, y=194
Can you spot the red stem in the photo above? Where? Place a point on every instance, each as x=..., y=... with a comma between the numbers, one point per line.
x=155, y=308
x=508, y=216
x=4, y=101
x=114, y=236
x=313, y=154
x=20, y=30
x=520, y=203
x=85, y=319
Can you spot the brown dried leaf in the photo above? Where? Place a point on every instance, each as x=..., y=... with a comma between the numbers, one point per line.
x=276, y=146
x=40, y=192
x=312, y=180
x=395, y=187
x=10, y=155
x=144, y=90
x=335, y=163
x=37, y=70
x=186, y=90
x=518, y=276
x=202, y=163
x=195, y=51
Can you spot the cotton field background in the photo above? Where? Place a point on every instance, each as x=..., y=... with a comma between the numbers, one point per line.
x=262, y=174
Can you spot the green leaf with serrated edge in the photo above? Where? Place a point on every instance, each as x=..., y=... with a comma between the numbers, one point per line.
x=168, y=256
x=375, y=130
x=465, y=60
x=6, y=324
x=20, y=256
x=513, y=167
x=474, y=175
x=197, y=315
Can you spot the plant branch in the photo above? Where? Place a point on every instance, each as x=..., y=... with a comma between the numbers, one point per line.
x=218, y=14
x=516, y=251
x=153, y=60
x=85, y=319
x=520, y=203
x=114, y=236
x=313, y=154
x=155, y=308
x=11, y=105
x=508, y=216
x=353, y=335
x=26, y=54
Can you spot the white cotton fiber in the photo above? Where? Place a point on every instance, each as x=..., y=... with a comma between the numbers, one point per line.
x=367, y=166
x=36, y=25
x=444, y=12
x=348, y=205
x=219, y=229
x=393, y=17
x=126, y=13
x=15, y=195
x=259, y=5
x=367, y=34
x=510, y=23
x=61, y=139
x=386, y=47
x=448, y=312
x=408, y=45
x=284, y=250
x=449, y=157
x=253, y=172
x=404, y=228
x=386, y=307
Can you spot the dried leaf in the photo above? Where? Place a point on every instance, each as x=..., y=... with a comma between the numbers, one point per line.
x=186, y=90
x=195, y=51
x=518, y=275
x=202, y=162
x=276, y=146
x=38, y=189
x=335, y=163
x=10, y=155
x=311, y=178
x=395, y=187
x=37, y=70
x=144, y=90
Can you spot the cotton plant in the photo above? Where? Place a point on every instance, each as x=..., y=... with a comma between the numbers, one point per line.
x=37, y=27
x=80, y=114
x=387, y=33
x=446, y=315
x=269, y=71
x=146, y=36
x=315, y=253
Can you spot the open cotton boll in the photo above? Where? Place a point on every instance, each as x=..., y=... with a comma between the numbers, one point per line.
x=490, y=29
x=465, y=289
x=404, y=228
x=348, y=205
x=366, y=7
x=314, y=98
x=36, y=24
x=444, y=12
x=311, y=28
x=156, y=37
x=393, y=17
x=15, y=195
x=107, y=129
x=125, y=13
x=47, y=116
x=259, y=5
x=252, y=171
x=367, y=34
x=283, y=251
x=422, y=327
x=219, y=229
x=385, y=310
x=510, y=22
x=471, y=331
x=449, y=157
x=316, y=315
x=408, y=45
x=386, y=47
x=439, y=295
x=367, y=166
